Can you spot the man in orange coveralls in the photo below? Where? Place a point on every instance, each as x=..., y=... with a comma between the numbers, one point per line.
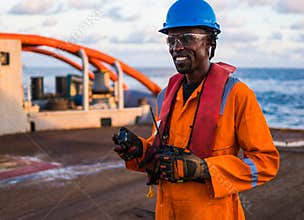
x=213, y=118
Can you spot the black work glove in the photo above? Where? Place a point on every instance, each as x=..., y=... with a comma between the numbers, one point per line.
x=178, y=165
x=130, y=146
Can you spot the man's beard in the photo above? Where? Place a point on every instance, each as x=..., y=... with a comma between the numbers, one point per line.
x=184, y=68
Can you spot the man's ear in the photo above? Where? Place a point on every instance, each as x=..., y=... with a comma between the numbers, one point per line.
x=207, y=46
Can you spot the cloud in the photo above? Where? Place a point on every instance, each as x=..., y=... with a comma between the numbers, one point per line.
x=260, y=2
x=239, y=37
x=299, y=51
x=138, y=37
x=116, y=14
x=50, y=22
x=139, y=56
x=87, y=4
x=31, y=7
x=281, y=6
x=221, y=5
x=295, y=6
x=30, y=30
x=299, y=38
x=298, y=26
x=93, y=38
x=231, y=22
x=277, y=36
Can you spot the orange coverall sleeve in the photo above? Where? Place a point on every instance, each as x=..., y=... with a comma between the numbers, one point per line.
x=231, y=174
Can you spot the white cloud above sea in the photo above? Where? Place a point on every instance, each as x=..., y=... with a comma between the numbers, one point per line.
x=295, y=6
x=229, y=21
x=117, y=14
x=92, y=39
x=281, y=6
x=298, y=26
x=32, y=7
x=260, y=2
x=49, y=22
x=87, y=4
x=277, y=36
x=299, y=51
x=300, y=38
x=239, y=37
x=138, y=37
x=128, y=30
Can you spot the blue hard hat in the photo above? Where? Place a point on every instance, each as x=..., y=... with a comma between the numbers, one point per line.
x=190, y=13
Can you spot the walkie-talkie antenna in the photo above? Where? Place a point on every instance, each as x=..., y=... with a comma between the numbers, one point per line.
x=154, y=149
x=157, y=129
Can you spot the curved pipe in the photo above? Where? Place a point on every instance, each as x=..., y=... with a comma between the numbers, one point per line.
x=36, y=40
x=58, y=57
x=95, y=63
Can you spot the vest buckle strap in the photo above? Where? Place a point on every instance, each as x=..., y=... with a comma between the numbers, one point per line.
x=165, y=137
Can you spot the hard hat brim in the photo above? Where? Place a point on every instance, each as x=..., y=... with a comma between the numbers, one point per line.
x=165, y=29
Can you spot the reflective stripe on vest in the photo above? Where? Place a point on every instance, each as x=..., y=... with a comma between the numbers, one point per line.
x=229, y=85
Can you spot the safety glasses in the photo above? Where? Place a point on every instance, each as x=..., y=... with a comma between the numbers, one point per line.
x=186, y=39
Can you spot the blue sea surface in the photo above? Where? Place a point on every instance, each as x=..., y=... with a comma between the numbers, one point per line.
x=280, y=92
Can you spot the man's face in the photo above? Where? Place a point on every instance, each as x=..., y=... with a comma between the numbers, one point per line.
x=188, y=48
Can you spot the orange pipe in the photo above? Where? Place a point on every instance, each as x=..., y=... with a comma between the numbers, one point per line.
x=57, y=56
x=35, y=40
x=96, y=63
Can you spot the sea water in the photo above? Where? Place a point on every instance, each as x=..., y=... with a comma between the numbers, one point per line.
x=280, y=92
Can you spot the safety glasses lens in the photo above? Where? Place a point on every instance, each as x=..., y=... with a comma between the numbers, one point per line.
x=170, y=40
x=187, y=39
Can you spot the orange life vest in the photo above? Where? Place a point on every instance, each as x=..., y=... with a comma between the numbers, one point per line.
x=207, y=113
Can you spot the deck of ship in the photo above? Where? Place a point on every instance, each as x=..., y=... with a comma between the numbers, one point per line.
x=92, y=183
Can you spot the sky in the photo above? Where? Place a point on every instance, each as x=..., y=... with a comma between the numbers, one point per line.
x=255, y=33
